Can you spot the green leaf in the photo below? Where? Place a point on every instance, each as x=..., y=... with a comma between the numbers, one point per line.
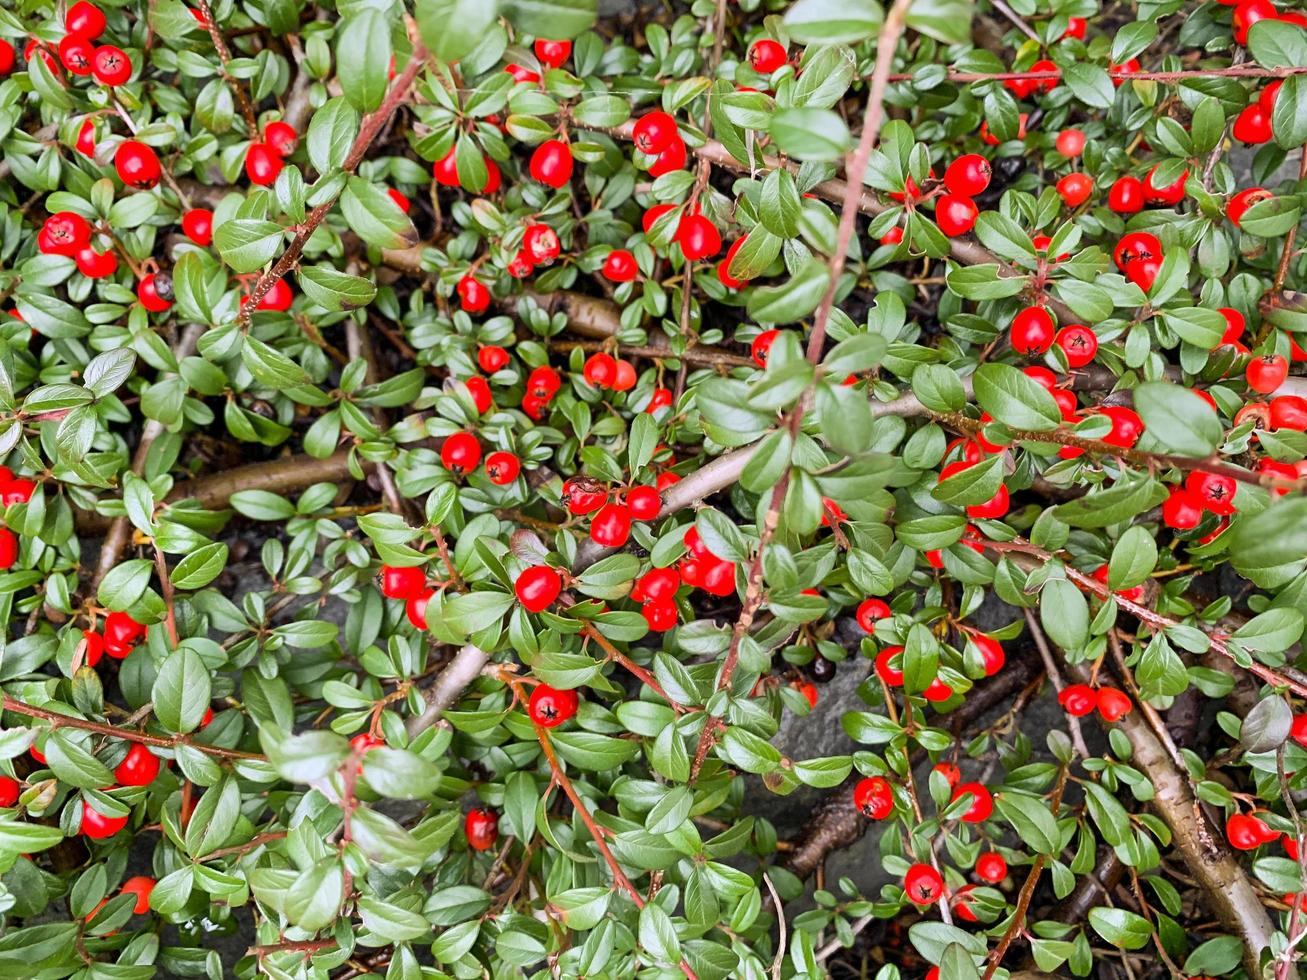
x=974, y=485
x=1064, y=614
x=1176, y=420
x=336, y=291
x=181, y=691
x=363, y=58
x=248, y=244
x=374, y=216
x=810, y=134
x=1121, y=927
x=1277, y=44
x=779, y=208
x=1133, y=558
x=833, y=21
x=1276, y=536
x=1289, y=117
x=944, y=20
x=331, y=133
x=73, y=764
x=270, y=366
x=1090, y=83
x=558, y=19
x=792, y=300
x=200, y=567
x=1103, y=507
x=452, y=29
x=1015, y=399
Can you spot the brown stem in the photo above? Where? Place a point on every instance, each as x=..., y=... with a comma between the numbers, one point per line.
x=249, y=845
x=642, y=675
x=713, y=356
x=224, y=56
x=1238, y=71
x=367, y=133
x=165, y=584
x=1287, y=254
x=57, y=720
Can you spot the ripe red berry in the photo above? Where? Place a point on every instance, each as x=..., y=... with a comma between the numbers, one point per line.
x=6, y=57
x=955, y=215
x=968, y=175
x=492, y=358
x=620, y=266
x=482, y=828
x=1248, y=13
x=154, y=292
x=1266, y=373
x=445, y=170
x=96, y=265
x=662, y=583
x=893, y=676
x=522, y=74
x=990, y=139
x=991, y=867
x=660, y=615
x=541, y=242
x=460, y=453
x=1244, y=200
x=766, y=56
x=479, y=389
x=9, y=791
x=402, y=582
x=401, y=202
x=1137, y=246
x=1252, y=125
x=197, y=225
x=1113, y=705
x=654, y=132
x=552, y=53
x=1127, y=426
x=600, y=370
x=365, y=742
x=136, y=164
x=644, y=503
x=262, y=164
x=870, y=612
x=982, y=803
x=1288, y=412
x=1234, y=324
x=923, y=885
x=502, y=467
x=111, y=66
x=624, y=380
x=1172, y=193
x=415, y=608
x=1078, y=699
x=1075, y=189
x=138, y=768
x=874, y=798
x=84, y=20
x=1266, y=97
x=698, y=237
x=1298, y=732
x=1032, y=330
x=537, y=587
x=1075, y=28
x=1078, y=343
x=551, y=163
x=991, y=653
x=1070, y=143
x=672, y=158
x=892, y=237
x=140, y=886
x=1246, y=833
x=64, y=233
x=281, y=137
x=85, y=137
x=97, y=826
x=1215, y=492
x=8, y=548
x=650, y=217
x=278, y=298
x=761, y=345
x=1045, y=66
x=550, y=707
x=1126, y=196
x=611, y=526
x=1181, y=511
x=473, y=296
x=77, y=54
x=582, y=496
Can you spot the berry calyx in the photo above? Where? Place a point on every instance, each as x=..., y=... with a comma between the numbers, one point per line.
x=923, y=885
x=502, y=467
x=874, y=798
x=549, y=707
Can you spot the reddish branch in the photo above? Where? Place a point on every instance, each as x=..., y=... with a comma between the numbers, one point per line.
x=224, y=56
x=367, y=133
x=1287, y=254
x=1237, y=71
x=57, y=720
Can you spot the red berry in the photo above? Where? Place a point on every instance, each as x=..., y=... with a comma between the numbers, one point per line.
x=77, y=54
x=698, y=237
x=672, y=158
x=141, y=887
x=278, y=298
x=9, y=791
x=460, y=453
x=600, y=370
x=445, y=170
x=1075, y=189
x=1170, y=194
x=402, y=582
x=136, y=164
x=982, y=803
x=766, y=56
x=479, y=389
x=870, y=612
x=1288, y=412
x=111, y=66
x=6, y=57
x=955, y=215
x=1253, y=125
x=549, y=707
x=138, y=768
x=492, y=359
x=1032, y=330
x=1266, y=98
x=1070, y=143
x=1244, y=200
x=537, y=587
x=120, y=633
x=991, y=867
x=85, y=20
x=1078, y=343
x=64, y=233
x=1113, y=704
x=968, y=175
x=582, y=497
x=1234, y=324
x=761, y=345
x=1299, y=730
x=551, y=163
x=874, y=798
x=1181, y=511
x=660, y=615
x=552, y=53
x=611, y=526
x=401, y=202
x=662, y=583
x=1136, y=247
x=96, y=265
x=85, y=137
x=280, y=137
x=97, y=826
x=1144, y=272
x=482, y=828
x=197, y=225
x=154, y=292
x=1126, y=195
x=473, y=296
x=620, y=266
x=502, y=467
x=1212, y=491
x=991, y=653
x=1246, y=833
x=923, y=885
x=1266, y=373
x=521, y=74
x=262, y=164
x=415, y=608
x=650, y=217
x=892, y=237
x=365, y=742
x=1075, y=28
x=1078, y=699
x=991, y=140
x=644, y=503
x=16, y=491
x=1125, y=68
x=541, y=242
x=654, y=132
x=624, y=379
x=1045, y=66
x=1248, y=13
x=893, y=676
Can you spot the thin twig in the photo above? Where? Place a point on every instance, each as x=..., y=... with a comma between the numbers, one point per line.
x=224, y=56
x=1050, y=668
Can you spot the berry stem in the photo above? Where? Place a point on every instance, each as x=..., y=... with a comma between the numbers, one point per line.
x=224, y=56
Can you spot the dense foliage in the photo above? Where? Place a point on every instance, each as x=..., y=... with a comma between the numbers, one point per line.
x=445, y=443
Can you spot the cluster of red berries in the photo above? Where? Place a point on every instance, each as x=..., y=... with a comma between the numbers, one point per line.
x=889, y=665
x=1249, y=12
x=541, y=386
x=264, y=160
x=77, y=51
x=1202, y=491
x=540, y=246
x=1253, y=124
x=13, y=490
x=964, y=178
x=611, y=524
x=445, y=170
x=408, y=584
x=461, y=452
x=120, y=636
x=1034, y=331
x=1246, y=832
x=605, y=371
x=1079, y=700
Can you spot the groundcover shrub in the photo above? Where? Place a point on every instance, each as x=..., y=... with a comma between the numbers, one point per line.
x=445, y=442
